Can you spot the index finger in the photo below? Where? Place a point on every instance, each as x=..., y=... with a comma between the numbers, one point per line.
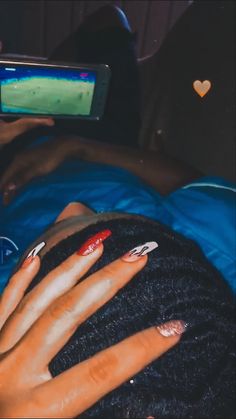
x=78, y=388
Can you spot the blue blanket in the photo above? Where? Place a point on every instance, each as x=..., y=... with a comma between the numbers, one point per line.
x=203, y=211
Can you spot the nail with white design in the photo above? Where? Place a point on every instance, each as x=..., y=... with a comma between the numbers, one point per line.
x=36, y=249
x=139, y=251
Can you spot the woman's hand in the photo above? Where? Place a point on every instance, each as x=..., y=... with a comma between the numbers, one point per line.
x=11, y=130
x=35, y=326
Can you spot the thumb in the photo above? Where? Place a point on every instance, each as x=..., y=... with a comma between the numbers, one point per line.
x=22, y=125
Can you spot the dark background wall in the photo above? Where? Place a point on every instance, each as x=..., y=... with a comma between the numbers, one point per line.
x=201, y=132
x=35, y=27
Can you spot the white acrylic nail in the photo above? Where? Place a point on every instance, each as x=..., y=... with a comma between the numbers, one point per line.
x=144, y=249
x=36, y=249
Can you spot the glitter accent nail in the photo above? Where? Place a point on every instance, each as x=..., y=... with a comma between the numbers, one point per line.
x=172, y=328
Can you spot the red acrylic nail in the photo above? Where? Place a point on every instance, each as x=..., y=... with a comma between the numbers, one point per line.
x=93, y=242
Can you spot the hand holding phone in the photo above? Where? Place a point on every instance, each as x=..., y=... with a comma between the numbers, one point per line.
x=10, y=130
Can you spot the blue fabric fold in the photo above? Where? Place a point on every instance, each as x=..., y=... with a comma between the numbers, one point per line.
x=203, y=213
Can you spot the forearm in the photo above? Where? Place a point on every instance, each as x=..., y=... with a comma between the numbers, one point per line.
x=158, y=170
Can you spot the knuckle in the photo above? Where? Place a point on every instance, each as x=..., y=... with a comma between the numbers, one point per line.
x=62, y=307
x=54, y=311
x=109, y=272
x=102, y=368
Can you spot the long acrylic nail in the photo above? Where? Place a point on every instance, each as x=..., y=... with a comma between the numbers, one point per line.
x=139, y=251
x=36, y=249
x=93, y=242
x=172, y=328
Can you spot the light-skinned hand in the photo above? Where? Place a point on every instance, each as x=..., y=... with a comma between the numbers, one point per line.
x=35, y=326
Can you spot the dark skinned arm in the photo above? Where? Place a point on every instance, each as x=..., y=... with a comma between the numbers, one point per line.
x=157, y=169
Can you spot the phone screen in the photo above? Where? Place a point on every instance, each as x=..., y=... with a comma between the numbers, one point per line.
x=46, y=91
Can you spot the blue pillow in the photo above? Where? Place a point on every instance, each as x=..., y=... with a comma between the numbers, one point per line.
x=205, y=211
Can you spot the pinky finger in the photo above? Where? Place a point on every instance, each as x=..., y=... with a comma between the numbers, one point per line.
x=17, y=286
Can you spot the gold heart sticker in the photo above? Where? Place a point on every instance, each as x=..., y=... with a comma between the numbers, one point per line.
x=201, y=87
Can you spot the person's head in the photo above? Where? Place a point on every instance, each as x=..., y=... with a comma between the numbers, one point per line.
x=193, y=380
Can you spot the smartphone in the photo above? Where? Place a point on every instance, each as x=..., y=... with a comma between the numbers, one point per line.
x=52, y=89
